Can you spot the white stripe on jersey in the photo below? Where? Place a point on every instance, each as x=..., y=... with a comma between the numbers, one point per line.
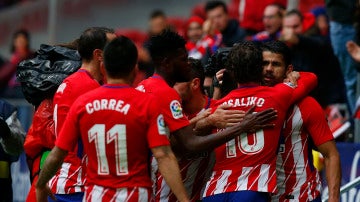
x=222, y=182
x=143, y=195
x=243, y=179
x=264, y=178
x=96, y=194
x=164, y=191
x=64, y=171
x=297, y=123
x=121, y=194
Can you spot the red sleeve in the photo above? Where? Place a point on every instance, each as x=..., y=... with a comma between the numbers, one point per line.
x=315, y=121
x=156, y=135
x=61, y=106
x=306, y=83
x=284, y=93
x=172, y=111
x=41, y=133
x=70, y=133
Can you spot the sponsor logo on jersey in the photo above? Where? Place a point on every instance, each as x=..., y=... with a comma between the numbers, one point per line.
x=161, y=125
x=176, y=110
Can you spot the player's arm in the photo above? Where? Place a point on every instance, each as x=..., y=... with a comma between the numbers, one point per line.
x=306, y=83
x=190, y=141
x=221, y=118
x=51, y=165
x=169, y=168
x=318, y=128
x=332, y=169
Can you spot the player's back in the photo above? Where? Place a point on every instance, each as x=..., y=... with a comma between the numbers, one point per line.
x=115, y=126
x=248, y=161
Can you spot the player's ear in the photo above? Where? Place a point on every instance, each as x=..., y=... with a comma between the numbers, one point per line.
x=195, y=83
x=98, y=55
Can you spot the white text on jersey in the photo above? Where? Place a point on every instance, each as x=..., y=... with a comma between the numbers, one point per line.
x=105, y=104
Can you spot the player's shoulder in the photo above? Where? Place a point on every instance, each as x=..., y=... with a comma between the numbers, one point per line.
x=308, y=102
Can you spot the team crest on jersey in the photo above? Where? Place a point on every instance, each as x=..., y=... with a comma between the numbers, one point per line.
x=176, y=110
x=140, y=88
x=161, y=125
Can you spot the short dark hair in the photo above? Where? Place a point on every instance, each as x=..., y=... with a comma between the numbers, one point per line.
x=197, y=71
x=120, y=57
x=210, y=5
x=278, y=47
x=157, y=13
x=295, y=12
x=245, y=60
x=17, y=33
x=165, y=44
x=281, y=8
x=91, y=39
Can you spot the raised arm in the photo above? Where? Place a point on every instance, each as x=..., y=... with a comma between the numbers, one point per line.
x=306, y=83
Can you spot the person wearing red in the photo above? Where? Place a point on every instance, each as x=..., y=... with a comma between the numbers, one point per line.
x=201, y=43
x=245, y=168
x=305, y=129
x=69, y=180
x=117, y=130
x=195, y=167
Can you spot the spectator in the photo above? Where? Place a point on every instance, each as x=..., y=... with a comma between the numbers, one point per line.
x=313, y=53
x=201, y=43
x=342, y=30
x=11, y=145
x=217, y=14
x=20, y=50
x=272, y=20
x=250, y=13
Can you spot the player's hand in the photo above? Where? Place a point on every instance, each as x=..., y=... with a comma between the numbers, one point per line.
x=200, y=116
x=219, y=75
x=292, y=77
x=42, y=194
x=223, y=118
x=256, y=121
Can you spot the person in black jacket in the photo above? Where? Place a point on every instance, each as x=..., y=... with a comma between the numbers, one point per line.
x=217, y=13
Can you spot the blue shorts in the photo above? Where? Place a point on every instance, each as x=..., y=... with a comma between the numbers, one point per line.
x=76, y=197
x=243, y=196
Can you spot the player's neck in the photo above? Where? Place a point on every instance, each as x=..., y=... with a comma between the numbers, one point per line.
x=94, y=70
x=167, y=79
x=117, y=81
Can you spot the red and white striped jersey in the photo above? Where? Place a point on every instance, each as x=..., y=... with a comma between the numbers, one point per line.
x=71, y=177
x=118, y=126
x=306, y=127
x=247, y=162
x=195, y=171
x=103, y=194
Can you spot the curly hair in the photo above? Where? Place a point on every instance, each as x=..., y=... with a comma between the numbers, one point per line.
x=165, y=44
x=245, y=61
